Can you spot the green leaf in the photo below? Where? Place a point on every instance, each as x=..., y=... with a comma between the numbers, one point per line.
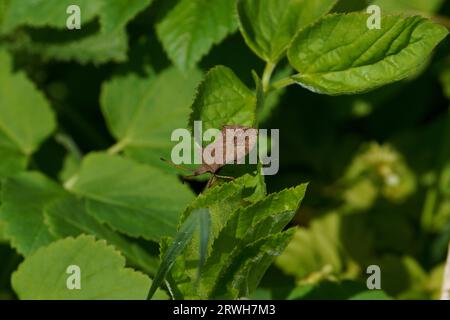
x=110, y=42
x=23, y=199
x=204, y=221
x=68, y=217
x=223, y=99
x=142, y=112
x=26, y=119
x=136, y=199
x=114, y=14
x=70, y=167
x=182, y=239
x=314, y=251
x=224, y=199
x=342, y=290
x=409, y=6
x=247, y=225
x=3, y=8
x=241, y=274
x=340, y=55
x=277, y=203
x=225, y=247
x=259, y=91
x=12, y=161
x=269, y=26
x=47, y=13
x=103, y=273
x=190, y=30
x=221, y=202
x=97, y=48
x=300, y=292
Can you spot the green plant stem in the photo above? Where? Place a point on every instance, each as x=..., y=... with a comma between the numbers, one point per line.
x=69, y=144
x=70, y=182
x=118, y=147
x=267, y=75
x=429, y=208
x=280, y=84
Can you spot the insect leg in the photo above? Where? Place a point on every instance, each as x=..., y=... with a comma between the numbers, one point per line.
x=225, y=177
x=211, y=181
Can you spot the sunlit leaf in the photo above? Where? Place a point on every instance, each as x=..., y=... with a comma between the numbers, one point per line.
x=190, y=30
x=135, y=199
x=356, y=59
x=269, y=26
x=103, y=275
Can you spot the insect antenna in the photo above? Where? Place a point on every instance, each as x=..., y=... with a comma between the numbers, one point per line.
x=177, y=166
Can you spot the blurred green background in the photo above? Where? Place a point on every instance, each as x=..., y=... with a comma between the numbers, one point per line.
x=378, y=164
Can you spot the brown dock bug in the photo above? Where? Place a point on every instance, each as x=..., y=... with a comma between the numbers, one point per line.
x=233, y=144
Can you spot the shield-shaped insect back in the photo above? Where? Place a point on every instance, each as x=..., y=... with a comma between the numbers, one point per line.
x=230, y=146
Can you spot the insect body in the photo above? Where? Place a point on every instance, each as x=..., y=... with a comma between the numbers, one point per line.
x=231, y=146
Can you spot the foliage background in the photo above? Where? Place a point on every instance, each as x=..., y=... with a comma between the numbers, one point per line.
x=353, y=214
